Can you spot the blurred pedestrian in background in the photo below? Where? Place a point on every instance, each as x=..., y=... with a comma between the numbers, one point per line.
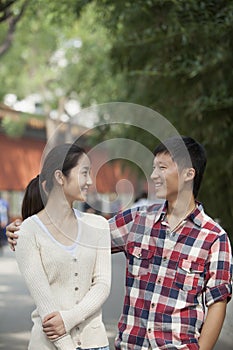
x=4, y=219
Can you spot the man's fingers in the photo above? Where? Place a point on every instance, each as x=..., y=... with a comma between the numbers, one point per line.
x=12, y=245
x=12, y=238
x=17, y=222
x=11, y=229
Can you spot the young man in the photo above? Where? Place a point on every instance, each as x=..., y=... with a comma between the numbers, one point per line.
x=178, y=259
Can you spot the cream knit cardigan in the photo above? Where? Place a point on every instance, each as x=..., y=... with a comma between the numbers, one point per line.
x=76, y=286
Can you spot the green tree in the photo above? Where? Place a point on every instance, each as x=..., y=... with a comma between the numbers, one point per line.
x=177, y=57
x=11, y=11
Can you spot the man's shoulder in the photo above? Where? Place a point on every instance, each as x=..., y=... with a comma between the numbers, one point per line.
x=210, y=224
x=143, y=210
x=150, y=209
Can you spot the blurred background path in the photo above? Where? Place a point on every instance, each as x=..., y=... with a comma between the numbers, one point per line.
x=16, y=306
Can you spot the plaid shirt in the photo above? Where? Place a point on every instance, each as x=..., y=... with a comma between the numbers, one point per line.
x=170, y=276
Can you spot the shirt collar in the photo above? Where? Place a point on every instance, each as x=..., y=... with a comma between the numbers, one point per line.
x=196, y=216
x=161, y=213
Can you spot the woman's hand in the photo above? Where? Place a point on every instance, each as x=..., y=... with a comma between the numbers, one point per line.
x=11, y=235
x=53, y=325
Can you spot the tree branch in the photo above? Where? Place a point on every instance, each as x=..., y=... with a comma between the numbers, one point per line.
x=12, y=20
x=4, y=6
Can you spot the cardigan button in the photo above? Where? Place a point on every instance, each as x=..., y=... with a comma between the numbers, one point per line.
x=76, y=288
x=76, y=274
x=79, y=343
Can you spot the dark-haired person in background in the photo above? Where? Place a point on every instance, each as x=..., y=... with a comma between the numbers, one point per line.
x=178, y=259
x=64, y=255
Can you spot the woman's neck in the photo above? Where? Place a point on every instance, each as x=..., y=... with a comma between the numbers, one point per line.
x=59, y=218
x=57, y=208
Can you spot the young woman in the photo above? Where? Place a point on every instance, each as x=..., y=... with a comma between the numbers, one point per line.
x=64, y=255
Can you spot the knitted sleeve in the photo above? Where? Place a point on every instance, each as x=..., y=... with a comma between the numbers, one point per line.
x=100, y=288
x=31, y=267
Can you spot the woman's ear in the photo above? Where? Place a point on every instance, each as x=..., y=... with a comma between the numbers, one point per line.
x=189, y=174
x=59, y=177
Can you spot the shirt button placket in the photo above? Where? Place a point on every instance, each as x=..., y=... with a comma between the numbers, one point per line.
x=76, y=273
x=150, y=332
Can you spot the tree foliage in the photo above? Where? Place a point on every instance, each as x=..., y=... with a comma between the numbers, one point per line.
x=176, y=57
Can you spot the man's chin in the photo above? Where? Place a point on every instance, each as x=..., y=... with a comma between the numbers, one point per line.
x=160, y=195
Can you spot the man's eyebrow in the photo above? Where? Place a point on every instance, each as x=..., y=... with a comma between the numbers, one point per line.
x=160, y=162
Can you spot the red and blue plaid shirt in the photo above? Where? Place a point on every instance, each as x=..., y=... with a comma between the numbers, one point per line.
x=170, y=276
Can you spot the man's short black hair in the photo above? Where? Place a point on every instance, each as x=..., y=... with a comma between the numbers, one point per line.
x=185, y=152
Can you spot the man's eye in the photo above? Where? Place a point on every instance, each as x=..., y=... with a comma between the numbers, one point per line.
x=162, y=167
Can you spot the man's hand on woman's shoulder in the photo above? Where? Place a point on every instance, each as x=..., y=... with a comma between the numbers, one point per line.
x=11, y=230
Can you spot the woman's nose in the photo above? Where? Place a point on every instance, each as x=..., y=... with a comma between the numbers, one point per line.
x=89, y=180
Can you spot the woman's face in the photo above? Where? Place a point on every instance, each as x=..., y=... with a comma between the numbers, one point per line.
x=76, y=184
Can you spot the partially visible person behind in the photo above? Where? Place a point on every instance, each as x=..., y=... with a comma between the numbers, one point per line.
x=87, y=208
x=4, y=219
x=64, y=255
x=141, y=200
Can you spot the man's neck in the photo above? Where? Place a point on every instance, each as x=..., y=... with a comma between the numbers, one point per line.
x=179, y=209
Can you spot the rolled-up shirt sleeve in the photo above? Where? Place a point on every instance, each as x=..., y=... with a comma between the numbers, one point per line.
x=219, y=271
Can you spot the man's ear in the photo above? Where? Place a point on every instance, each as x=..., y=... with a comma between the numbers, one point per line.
x=44, y=187
x=189, y=174
x=59, y=177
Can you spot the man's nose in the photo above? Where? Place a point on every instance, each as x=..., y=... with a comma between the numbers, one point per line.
x=154, y=174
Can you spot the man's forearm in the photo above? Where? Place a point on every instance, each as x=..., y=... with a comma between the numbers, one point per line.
x=213, y=325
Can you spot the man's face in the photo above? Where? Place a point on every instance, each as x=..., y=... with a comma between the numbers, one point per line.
x=166, y=177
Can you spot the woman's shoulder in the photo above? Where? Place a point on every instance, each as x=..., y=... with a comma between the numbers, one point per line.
x=96, y=220
x=28, y=225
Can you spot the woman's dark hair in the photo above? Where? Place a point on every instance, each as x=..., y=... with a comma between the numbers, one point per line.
x=63, y=157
